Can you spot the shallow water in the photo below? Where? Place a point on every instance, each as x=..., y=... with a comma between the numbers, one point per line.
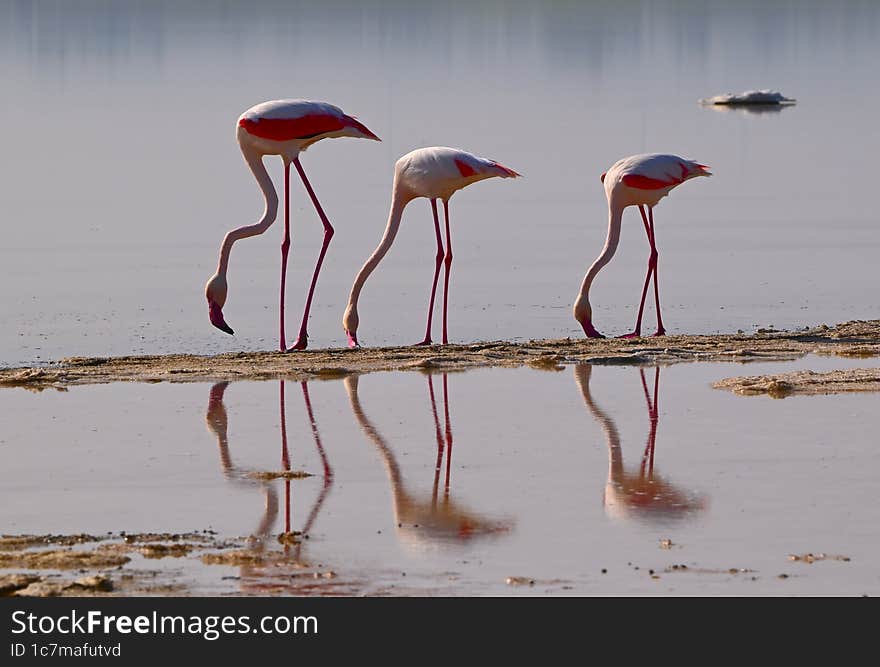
x=450, y=484
x=121, y=173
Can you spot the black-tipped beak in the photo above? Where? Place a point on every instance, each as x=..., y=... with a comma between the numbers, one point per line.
x=360, y=127
x=216, y=314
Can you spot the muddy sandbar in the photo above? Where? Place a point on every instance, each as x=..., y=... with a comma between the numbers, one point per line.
x=804, y=383
x=855, y=338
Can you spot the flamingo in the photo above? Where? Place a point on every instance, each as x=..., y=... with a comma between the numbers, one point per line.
x=638, y=180
x=423, y=522
x=285, y=128
x=435, y=173
x=643, y=495
x=256, y=569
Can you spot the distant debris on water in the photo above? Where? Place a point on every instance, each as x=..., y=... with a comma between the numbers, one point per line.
x=750, y=97
x=520, y=581
x=812, y=558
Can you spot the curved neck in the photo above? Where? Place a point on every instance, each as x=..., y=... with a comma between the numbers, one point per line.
x=399, y=199
x=255, y=162
x=217, y=422
x=391, y=466
x=615, y=214
x=582, y=373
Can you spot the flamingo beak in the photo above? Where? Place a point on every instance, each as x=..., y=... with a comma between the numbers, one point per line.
x=590, y=330
x=216, y=314
x=360, y=127
x=352, y=338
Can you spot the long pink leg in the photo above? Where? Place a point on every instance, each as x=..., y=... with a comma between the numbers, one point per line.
x=303, y=339
x=448, y=435
x=439, y=261
x=653, y=416
x=328, y=471
x=648, y=401
x=652, y=261
x=654, y=254
x=439, y=437
x=285, y=458
x=285, y=246
x=448, y=262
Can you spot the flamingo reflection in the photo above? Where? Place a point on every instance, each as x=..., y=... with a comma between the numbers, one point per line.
x=255, y=568
x=638, y=494
x=433, y=520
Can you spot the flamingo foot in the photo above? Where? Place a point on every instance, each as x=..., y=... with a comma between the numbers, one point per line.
x=590, y=330
x=426, y=342
x=634, y=334
x=301, y=343
x=352, y=338
x=660, y=332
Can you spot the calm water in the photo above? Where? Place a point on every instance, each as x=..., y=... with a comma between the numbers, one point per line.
x=452, y=483
x=121, y=174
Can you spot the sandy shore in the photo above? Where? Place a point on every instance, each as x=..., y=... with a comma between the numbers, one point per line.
x=853, y=339
x=804, y=382
x=126, y=564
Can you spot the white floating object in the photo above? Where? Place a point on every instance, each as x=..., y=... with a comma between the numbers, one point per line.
x=750, y=97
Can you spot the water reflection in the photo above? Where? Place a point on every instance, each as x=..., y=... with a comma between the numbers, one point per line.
x=749, y=109
x=53, y=32
x=640, y=494
x=427, y=520
x=262, y=561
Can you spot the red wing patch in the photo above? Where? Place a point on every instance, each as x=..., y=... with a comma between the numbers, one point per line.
x=464, y=168
x=646, y=182
x=286, y=129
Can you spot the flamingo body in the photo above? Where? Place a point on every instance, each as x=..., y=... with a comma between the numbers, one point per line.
x=285, y=128
x=646, y=179
x=638, y=180
x=436, y=173
x=288, y=127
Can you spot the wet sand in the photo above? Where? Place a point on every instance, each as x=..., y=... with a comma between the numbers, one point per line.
x=804, y=383
x=98, y=564
x=857, y=338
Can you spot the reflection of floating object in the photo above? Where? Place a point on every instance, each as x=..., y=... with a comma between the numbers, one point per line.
x=750, y=98
x=749, y=109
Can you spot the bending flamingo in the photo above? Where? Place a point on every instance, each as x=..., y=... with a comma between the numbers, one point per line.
x=434, y=173
x=639, y=180
x=645, y=494
x=285, y=128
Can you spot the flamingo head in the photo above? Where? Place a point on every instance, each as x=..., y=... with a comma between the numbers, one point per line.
x=215, y=293
x=357, y=129
x=583, y=313
x=350, y=323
